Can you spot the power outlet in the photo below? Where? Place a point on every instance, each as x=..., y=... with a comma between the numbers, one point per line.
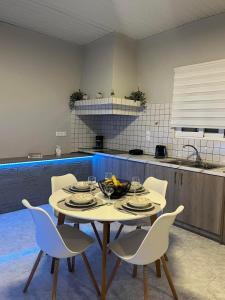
x=61, y=133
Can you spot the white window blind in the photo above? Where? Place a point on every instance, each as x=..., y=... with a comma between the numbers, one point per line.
x=199, y=95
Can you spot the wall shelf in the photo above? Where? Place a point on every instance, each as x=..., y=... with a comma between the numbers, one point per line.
x=108, y=106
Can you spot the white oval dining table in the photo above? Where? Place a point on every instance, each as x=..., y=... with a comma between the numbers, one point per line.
x=107, y=214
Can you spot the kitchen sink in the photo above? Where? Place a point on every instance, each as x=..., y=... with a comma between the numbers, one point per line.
x=193, y=164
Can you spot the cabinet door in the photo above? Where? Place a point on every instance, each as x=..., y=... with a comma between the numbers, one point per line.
x=128, y=169
x=164, y=173
x=202, y=197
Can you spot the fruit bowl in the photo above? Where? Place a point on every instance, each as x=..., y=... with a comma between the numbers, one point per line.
x=119, y=190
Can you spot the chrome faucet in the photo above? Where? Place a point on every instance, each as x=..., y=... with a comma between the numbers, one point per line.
x=198, y=157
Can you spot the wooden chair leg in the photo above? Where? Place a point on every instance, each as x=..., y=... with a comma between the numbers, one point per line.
x=52, y=266
x=157, y=262
x=96, y=234
x=169, y=278
x=33, y=271
x=145, y=281
x=106, y=228
x=134, y=273
x=69, y=265
x=166, y=257
x=114, y=271
x=90, y=273
x=108, y=235
x=118, y=232
x=158, y=268
x=55, y=278
x=73, y=264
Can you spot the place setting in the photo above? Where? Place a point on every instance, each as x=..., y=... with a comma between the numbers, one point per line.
x=82, y=186
x=80, y=201
x=136, y=187
x=136, y=205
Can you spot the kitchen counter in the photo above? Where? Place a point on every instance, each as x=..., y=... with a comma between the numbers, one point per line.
x=15, y=160
x=31, y=179
x=150, y=159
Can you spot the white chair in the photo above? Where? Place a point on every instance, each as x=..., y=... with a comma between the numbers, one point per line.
x=60, y=182
x=58, y=242
x=142, y=247
x=151, y=183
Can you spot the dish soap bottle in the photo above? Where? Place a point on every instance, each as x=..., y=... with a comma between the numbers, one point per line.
x=58, y=151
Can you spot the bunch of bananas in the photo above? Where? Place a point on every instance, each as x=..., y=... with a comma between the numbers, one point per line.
x=114, y=181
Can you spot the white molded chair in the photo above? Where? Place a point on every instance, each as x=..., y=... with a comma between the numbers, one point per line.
x=151, y=183
x=59, y=182
x=142, y=247
x=58, y=242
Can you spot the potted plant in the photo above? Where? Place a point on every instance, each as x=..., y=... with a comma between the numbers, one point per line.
x=76, y=96
x=137, y=96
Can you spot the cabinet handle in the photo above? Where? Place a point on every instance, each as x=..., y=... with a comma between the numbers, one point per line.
x=181, y=178
x=175, y=178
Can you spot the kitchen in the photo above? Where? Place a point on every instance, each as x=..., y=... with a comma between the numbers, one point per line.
x=179, y=67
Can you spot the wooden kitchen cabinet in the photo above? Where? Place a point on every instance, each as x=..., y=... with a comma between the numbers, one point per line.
x=122, y=168
x=129, y=168
x=164, y=173
x=202, y=195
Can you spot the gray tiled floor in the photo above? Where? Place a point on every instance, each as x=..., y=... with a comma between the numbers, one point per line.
x=197, y=265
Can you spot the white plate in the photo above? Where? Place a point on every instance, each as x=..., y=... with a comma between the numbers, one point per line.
x=81, y=198
x=69, y=202
x=81, y=185
x=126, y=206
x=139, y=202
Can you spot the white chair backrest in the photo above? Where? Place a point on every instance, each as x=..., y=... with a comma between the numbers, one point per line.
x=156, y=241
x=48, y=237
x=157, y=185
x=59, y=182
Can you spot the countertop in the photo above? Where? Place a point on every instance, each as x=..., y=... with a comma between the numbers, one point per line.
x=12, y=160
x=150, y=159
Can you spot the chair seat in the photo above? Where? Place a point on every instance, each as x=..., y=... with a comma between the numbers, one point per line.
x=140, y=222
x=126, y=246
x=75, y=240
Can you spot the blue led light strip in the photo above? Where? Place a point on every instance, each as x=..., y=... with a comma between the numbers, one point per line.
x=17, y=255
x=41, y=162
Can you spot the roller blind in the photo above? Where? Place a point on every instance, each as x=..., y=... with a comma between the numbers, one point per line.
x=199, y=95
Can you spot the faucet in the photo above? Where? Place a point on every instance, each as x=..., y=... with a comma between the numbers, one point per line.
x=198, y=157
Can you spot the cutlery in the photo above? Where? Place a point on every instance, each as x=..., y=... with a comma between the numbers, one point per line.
x=61, y=201
x=155, y=203
x=84, y=209
x=67, y=191
x=126, y=211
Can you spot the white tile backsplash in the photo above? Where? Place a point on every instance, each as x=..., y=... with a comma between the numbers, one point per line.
x=145, y=131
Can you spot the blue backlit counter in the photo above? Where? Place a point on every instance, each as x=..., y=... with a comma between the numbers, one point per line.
x=31, y=179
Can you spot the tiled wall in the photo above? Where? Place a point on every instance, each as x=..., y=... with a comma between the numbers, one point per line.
x=147, y=130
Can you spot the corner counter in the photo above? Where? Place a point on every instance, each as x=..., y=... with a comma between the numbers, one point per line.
x=201, y=191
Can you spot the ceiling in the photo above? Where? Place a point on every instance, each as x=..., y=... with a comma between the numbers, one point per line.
x=82, y=21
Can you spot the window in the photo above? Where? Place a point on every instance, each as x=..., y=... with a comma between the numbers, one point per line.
x=206, y=133
x=199, y=98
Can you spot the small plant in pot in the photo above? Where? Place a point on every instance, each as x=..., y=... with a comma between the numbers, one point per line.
x=137, y=96
x=76, y=96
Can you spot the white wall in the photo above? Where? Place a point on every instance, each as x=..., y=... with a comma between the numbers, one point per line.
x=37, y=76
x=124, y=66
x=109, y=63
x=97, y=66
x=196, y=42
